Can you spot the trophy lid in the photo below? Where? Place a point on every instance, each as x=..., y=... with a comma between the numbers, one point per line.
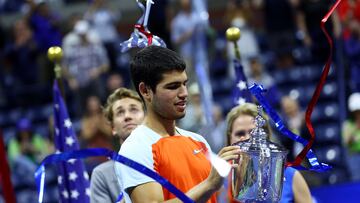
x=259, y=139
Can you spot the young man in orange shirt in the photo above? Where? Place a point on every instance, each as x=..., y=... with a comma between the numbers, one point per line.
x=178, y=155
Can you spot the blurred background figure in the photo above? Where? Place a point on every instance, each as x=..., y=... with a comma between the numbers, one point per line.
x=238, y=15
x=194, y=117
x=27, y=144
x=73, y=37
x=25, y=152
x=84, y=64
x=352, y=50
x=294, y=118
x=351, y=136
x=259, y=75
x=103, y=21
x=183, y=33
x=45, y=24
x=20, y=71
x=214, y=134
x=114, y=81
x=308, y=15
x=23, y=53
x=279, y=23
x=95, y=131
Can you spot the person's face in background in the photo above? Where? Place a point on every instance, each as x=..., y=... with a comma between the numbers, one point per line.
x=114, y=82
x=217, y=113
x=256, y=67
x=24, y=130
x=43, y=9
x=22, y=32
x=185, y=5
x=128, y=113
x=290, y=107
x=194, y=94
x=93, y=105
x=241, y=128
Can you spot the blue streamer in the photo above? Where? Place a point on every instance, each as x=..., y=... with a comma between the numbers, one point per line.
x=84, y=153
x=257, y=91
x=120, y=197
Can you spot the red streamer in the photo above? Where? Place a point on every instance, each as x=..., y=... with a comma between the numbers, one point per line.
x=317, y=92
x=5, y=180
x=148, y=34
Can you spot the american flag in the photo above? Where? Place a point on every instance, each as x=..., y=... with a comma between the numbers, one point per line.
x=73, y=180
x=241, y=93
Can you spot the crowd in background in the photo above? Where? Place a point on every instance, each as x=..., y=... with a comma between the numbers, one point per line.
x=281, y=43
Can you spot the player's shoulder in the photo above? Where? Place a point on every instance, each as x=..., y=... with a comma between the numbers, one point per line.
x=134, y=136
x=188, y=133
x=192, y=135
x=140, y=138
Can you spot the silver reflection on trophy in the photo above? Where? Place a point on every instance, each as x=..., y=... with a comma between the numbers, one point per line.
x=259, y=175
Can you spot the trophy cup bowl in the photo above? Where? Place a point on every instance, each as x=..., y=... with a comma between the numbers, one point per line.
x=259, y=174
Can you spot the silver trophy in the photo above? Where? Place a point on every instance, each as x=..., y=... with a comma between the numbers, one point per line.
x=259, y=175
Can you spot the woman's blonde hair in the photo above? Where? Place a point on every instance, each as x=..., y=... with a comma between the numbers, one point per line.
x=244, y=109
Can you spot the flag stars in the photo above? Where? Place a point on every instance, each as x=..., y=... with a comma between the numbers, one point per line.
x=241, y=101
x=241, y=85
x=72, y=161
x=59, y=179
x=57, y=132
x=86, y=175
x=65, y=194
x=88, y=192
x=74, y=194
x=66, y=140
x=67, y=123
x=69, y=140
x=73, y=176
